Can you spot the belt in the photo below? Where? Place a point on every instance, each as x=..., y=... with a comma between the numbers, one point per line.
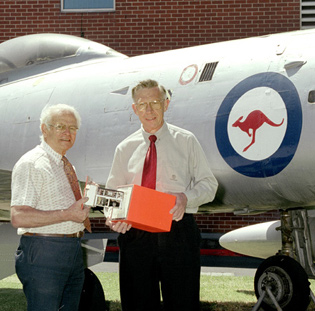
x=53, y=235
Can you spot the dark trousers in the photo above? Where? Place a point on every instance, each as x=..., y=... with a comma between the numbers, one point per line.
x=51, y=271
x=170, y=261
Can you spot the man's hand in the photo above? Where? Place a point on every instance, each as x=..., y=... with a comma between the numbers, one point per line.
x=179, y=208
x=29, y=217
x=77, y=212
x=120, y=227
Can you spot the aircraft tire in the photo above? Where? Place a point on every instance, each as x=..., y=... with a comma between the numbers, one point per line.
x=288, y=282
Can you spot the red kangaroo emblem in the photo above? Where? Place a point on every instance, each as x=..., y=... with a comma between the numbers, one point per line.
x=253, y=121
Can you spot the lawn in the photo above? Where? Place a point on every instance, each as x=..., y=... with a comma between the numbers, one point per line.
x=218, y=293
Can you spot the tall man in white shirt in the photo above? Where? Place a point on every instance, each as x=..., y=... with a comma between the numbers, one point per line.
x=172, y=259
x=49, y=218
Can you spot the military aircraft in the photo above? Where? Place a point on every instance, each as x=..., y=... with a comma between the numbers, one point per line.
x=250, y=102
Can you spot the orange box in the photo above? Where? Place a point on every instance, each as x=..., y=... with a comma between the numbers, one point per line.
x=148, y=209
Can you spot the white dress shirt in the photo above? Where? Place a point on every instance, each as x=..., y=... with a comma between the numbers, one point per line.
x=181, y=165
x=39, y=181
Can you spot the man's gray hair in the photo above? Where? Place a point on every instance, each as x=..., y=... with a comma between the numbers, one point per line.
x=148, y=84
x=49, y=112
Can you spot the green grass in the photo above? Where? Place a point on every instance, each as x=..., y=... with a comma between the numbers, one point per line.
x=218, y=293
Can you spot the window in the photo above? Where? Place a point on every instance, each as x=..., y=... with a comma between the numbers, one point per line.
x=87, y=5
x=307, y=14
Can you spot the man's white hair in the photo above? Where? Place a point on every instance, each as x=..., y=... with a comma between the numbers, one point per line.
x=49, y=112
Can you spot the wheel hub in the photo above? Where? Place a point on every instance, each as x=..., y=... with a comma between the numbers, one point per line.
x=279, y=283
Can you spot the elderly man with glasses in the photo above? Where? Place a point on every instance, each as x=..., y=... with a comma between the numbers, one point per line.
x=168, y=260
x=49, y=212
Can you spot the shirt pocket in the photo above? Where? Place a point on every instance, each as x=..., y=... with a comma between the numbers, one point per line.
x=171, y=178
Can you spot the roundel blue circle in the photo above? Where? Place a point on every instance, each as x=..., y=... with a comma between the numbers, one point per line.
x=282, y=157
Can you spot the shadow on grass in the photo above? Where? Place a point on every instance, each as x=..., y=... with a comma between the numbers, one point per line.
x=210, y=306
x=226, y=306
x=205, y=306
x=14, y=299
x=247, y=292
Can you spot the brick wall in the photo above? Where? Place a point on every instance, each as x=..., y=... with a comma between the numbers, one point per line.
x=226, y=222
x=210, y=223
x=140, y=27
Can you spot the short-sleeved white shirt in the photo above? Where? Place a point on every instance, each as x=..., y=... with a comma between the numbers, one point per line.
x=39, y=181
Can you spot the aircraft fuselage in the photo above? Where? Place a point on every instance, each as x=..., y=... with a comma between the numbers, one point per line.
x=249, y=102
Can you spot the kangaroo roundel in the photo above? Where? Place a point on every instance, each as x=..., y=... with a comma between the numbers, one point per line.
x=252, y=123
x=258, y=125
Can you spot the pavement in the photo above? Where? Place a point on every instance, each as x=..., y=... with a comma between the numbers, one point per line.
x=213, y=271
x=9, y=241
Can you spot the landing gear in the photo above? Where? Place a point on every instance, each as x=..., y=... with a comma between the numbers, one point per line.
x=281, y=284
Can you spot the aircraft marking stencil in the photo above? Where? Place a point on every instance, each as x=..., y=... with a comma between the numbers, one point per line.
x=258, y=125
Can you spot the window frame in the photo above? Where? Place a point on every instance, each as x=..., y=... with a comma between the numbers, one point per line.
x=73, y=9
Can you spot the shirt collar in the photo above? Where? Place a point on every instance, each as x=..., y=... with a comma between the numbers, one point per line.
x=159, y=134
x=55, y=156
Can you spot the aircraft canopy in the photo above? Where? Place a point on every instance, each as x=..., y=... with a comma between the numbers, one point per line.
x=41, y=48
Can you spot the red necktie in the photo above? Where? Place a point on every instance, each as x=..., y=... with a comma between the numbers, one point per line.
x=149, y=168
x=73, y=180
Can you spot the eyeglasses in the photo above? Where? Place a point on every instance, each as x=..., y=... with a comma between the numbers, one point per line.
x=62, y=128
x=155, y=105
